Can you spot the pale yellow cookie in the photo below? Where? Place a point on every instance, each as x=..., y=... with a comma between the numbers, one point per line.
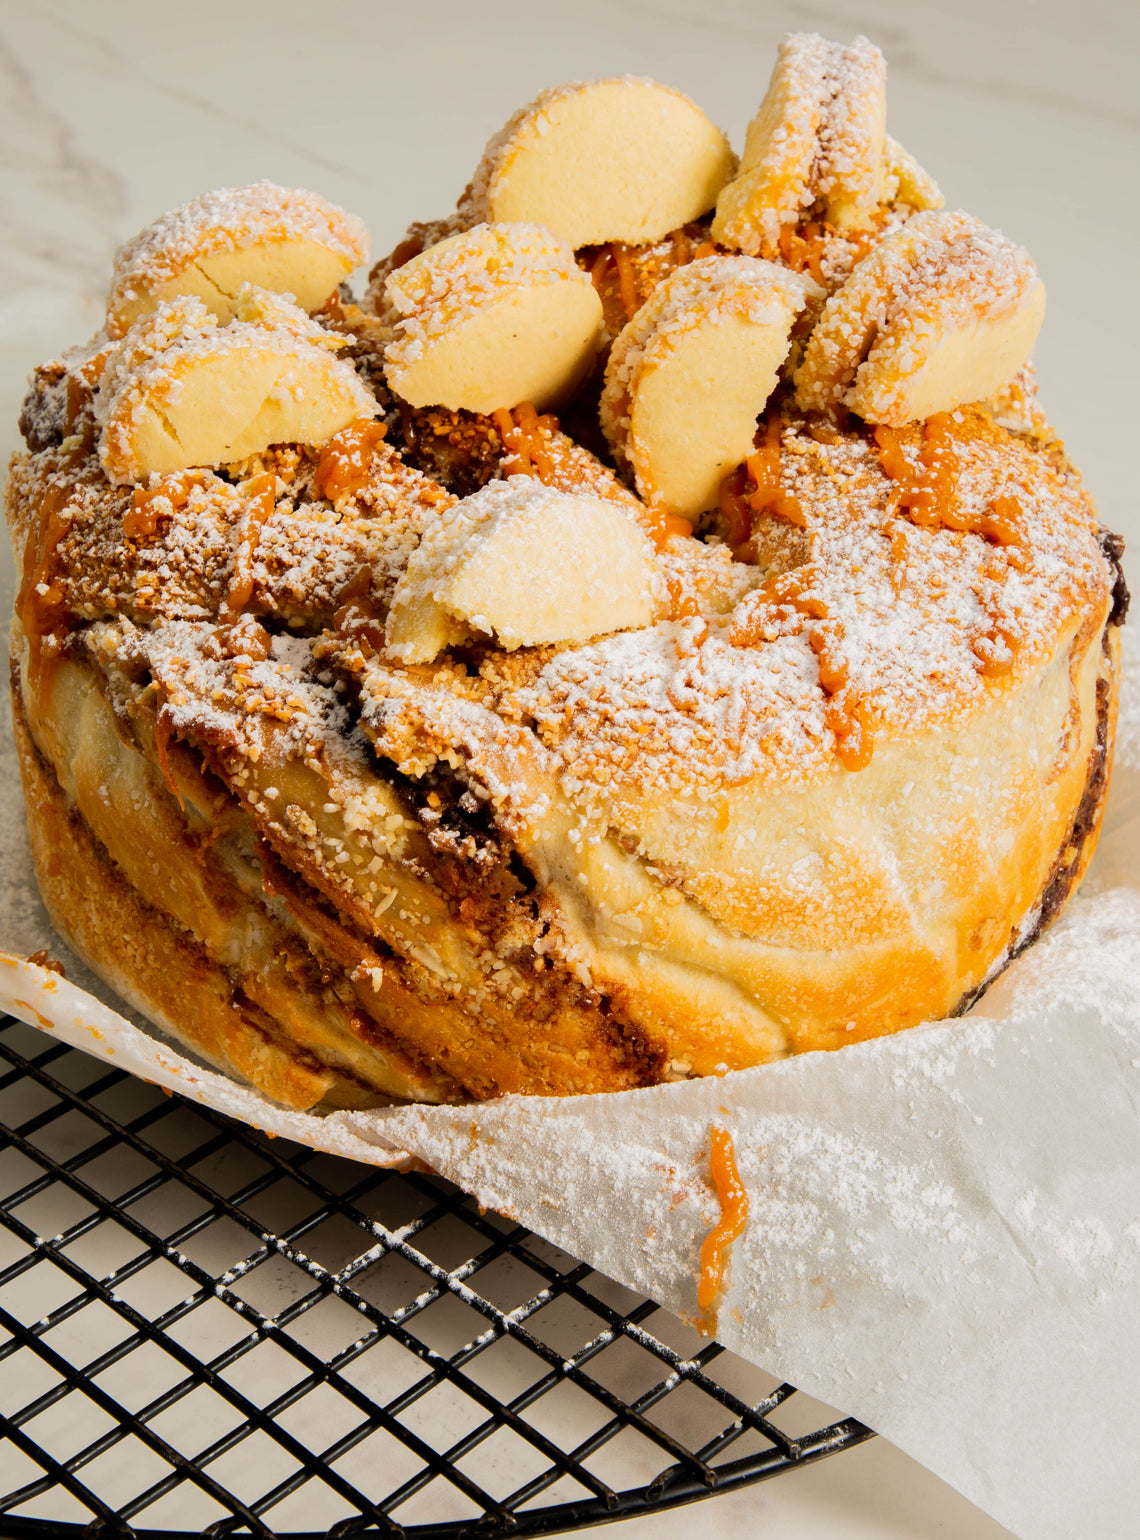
x=491, y=317
x=418, y=627
x=184, y=391
x=604, y=160
x=688, y=377
x=943, y=312
x=278, y=238
x=819, y=135
x=906, y=181
x=528, y=565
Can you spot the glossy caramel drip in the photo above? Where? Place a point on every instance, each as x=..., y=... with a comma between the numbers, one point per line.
x=246, y=640
x=261, y=499
x=599, y=267
x=140, y=520
x=346, y=460
x=733, y=1198
x=627, y=278
x=1000, y=524
x=81, y=386
x=627, y=275
x=928, y=495
x=682, y=246
x=682, y=605
x=661, y=525
x=79, y=397
x=788, y=589
x=524, y=434
x=795, y=588
x=995, y=651
x=848, y=714
x=360, y=626
x=825, y=639
x=44, y=959
x=762, y=473
x=521, y=431
x=930, y=501
x=764, y=469
x=359, y=586
x=736, y=508
x=615, y=255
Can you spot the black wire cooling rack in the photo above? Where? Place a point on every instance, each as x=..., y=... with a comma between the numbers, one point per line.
x=207, y=1331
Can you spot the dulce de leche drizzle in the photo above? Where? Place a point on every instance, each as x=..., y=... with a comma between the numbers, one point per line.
x=761, y=472
x=929, y=498
x=764, y=469
x=733, y=1198
x=617, y=254
x=661, y=525
x=346, y=460
x=163, y=496
x=848, y=713
x=635, y=271
x=804, y=249
x=526, y=436
x=521, y=431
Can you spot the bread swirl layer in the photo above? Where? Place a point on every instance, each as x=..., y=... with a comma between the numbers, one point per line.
x=304, y=997
x=355, y=1002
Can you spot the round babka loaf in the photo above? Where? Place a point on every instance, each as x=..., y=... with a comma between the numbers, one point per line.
x=652, y=632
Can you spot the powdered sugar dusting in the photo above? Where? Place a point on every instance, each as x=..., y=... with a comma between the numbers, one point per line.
x=851, y=123
x=694, y=701
x=818, y=135
x=307, y=551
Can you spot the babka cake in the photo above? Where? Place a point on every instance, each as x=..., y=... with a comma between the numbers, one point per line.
x=648, y=631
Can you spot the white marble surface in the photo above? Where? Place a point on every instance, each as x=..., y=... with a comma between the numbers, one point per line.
x=1025, y=110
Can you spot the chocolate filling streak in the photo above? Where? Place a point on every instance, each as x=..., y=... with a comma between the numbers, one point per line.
x=1112, y=549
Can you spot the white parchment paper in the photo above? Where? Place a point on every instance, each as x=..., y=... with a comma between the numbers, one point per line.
x=944, y=1231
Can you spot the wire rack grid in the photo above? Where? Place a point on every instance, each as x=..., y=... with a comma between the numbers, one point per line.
x=206, y=1331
